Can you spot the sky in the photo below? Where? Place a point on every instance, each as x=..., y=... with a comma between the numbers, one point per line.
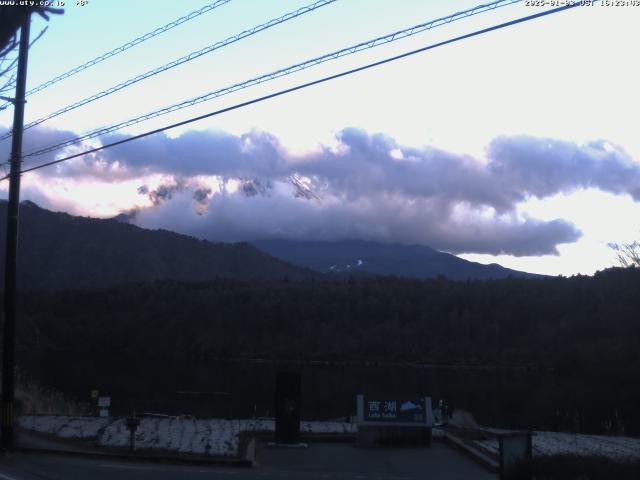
x=518, y=147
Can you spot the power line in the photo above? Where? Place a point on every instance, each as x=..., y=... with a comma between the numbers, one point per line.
x=126, y=46
x=391, y=37
x=10, y=83
x=5, y=70
x=305, y=85
x=187, y=58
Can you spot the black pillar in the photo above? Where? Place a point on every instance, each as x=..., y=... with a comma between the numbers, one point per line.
x=288, y=395
x=10, y=267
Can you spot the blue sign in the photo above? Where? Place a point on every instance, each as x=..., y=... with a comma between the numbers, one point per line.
x=395, y=411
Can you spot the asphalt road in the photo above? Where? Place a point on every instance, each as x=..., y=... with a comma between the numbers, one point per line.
x=318, y=461
x=343, y=461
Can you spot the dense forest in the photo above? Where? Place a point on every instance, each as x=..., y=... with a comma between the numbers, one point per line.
x=565, y=323
x=61, y=251
x=582, y=330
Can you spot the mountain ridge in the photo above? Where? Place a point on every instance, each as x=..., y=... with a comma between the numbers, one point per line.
x=58, y=250
x=350, y=256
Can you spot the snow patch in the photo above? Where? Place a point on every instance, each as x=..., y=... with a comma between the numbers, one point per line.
x=219, y=437
x=558, y=443
x=215, y=437
x=64, y=426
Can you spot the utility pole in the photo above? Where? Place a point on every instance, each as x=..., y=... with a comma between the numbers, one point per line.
x=10, y=266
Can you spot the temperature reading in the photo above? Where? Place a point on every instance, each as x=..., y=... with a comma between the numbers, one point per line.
x=82, y=3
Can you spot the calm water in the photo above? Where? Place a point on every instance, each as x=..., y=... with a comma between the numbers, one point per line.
x=498, y=397
x=213, y=388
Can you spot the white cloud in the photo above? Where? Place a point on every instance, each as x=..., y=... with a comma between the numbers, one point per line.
x=226, y=187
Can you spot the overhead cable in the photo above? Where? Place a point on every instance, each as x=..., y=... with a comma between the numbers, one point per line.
x=391, y=37
x=179, y=61
x=126, y=46
x=304, y=85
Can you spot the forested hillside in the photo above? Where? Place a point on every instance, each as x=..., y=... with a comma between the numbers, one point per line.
x=561, y=322
x=57, y=251
x=579, y=336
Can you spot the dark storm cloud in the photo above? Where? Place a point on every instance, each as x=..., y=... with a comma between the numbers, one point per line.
x=370, y=186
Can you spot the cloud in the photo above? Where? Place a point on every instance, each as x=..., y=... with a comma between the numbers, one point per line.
x=33, y=140
x=165, y=191
x=515, y=168
x=363, y=186
x=199, y=153
x=89, y=167
x=236, y=217
x=531, y=166
x=201, y=195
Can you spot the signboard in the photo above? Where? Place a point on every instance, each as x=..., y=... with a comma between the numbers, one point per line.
x=104, y=402
x=94, y=394
x=394, y=410
x=104, y=412
x=397, y=411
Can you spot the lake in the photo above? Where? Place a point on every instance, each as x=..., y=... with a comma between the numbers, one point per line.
x=499, y=397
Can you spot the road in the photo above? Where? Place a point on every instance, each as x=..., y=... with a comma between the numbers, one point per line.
x=318, y=461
